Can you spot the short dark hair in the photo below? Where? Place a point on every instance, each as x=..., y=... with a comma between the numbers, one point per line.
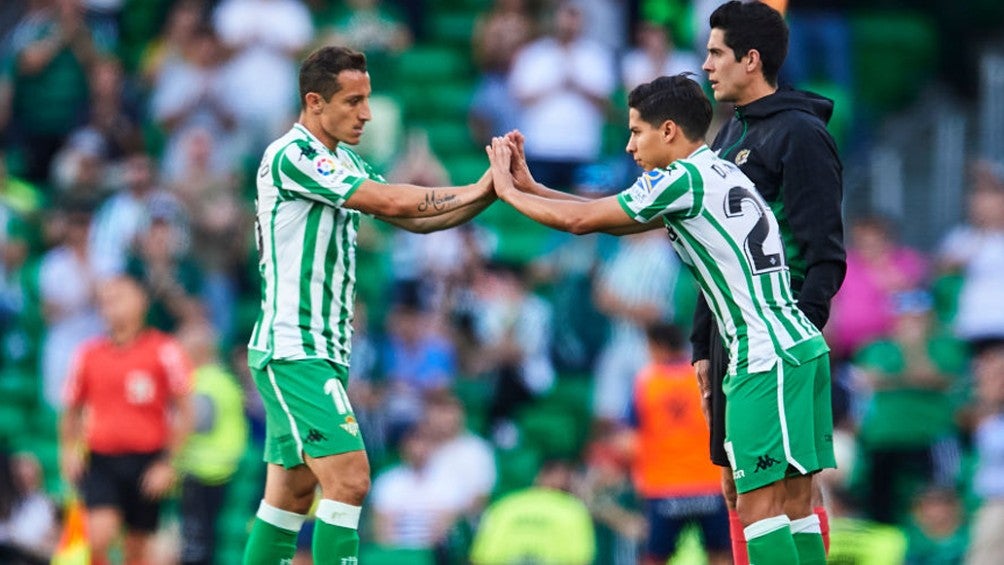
x=319, y=71
x=678, y=98
x=754, y=25
x=665, y=335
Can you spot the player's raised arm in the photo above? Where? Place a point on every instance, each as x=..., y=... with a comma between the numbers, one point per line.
x=577, y=217
x=411, y=201
x=448, y=219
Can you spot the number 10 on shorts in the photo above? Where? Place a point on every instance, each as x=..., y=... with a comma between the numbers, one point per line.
x=335, y=388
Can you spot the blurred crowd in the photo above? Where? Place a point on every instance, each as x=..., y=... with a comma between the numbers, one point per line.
x=129, y=138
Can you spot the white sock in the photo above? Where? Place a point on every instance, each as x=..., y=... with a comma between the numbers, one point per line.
x=765, y=526
x=279, y=518
x=807, y=525
x=339, y=513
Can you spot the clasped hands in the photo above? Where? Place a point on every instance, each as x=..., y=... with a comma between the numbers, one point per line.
x=508, y=168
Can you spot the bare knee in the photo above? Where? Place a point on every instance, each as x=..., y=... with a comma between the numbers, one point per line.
x=103, y=526
x=349, y=489
x=728, y=488
x=798, y=496
x=291, y=490
x=762, y=503
x=344, y=477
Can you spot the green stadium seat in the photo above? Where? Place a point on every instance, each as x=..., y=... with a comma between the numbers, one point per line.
x=45, y=421
x=517, y=468
x=554, y=431
x=894, y=54
x=466, y=168
x=573, y=393
x=450, y=102
x=380, y=555
x=476, y=6
x=520, y=239
x=452, y=28
x=17, y=387
x=12, y=421
x=433, y=66
x=449, y=138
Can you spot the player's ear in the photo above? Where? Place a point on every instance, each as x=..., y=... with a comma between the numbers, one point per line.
x=314, y=102
x=752, y=60
x=669, y=130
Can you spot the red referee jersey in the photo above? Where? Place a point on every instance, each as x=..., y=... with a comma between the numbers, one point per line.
x=126, y=391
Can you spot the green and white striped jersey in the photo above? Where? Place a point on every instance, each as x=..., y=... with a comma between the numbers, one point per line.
x=307, y=249
x=728, y=237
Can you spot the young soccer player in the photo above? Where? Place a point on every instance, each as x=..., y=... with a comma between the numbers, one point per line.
x=778, y=425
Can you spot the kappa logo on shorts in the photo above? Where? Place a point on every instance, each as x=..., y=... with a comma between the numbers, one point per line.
x=313, y=436
x=765, y=462
x=351, y=425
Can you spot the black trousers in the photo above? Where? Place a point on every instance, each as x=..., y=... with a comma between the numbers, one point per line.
x=200, y=509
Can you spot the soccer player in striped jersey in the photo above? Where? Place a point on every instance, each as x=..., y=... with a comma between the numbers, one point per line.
x=778, y=426
x=312, y=190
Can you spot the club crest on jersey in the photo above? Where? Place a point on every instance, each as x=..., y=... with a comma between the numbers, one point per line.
x=742, y=157
x=324, y=166
x=351, y=425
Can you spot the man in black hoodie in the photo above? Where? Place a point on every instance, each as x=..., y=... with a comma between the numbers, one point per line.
x=778, y=138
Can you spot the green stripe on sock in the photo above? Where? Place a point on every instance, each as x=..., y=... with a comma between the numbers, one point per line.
x=335, y=544
x=269, y=545
x=810, y=549
x=773, y=548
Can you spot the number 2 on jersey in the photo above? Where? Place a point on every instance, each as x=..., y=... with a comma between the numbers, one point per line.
x=762, y=262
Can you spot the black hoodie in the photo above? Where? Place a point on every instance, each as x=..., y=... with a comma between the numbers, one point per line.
x=780, y=142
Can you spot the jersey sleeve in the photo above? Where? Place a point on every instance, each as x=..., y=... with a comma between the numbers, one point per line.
x=177, y=368
x=316, y=176
x=657, y=193
x=373, y=175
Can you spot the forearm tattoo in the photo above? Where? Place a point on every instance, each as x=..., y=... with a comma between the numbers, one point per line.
x=438, y=203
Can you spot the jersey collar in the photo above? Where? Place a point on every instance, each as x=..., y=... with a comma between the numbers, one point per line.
x=698, y=151
x=311, y=137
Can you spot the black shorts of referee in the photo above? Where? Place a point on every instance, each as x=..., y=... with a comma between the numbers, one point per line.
x=114, y=481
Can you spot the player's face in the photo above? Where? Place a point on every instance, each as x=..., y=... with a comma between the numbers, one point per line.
x=343, y=117
x=647, y=144
x=727, y=76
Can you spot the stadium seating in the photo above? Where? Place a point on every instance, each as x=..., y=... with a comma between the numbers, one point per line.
x=894, y=54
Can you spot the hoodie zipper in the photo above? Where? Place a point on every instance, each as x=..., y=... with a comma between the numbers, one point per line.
x=742, y=136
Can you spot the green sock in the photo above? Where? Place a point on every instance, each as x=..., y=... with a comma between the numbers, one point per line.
x=273, y=536
x=770, y=542
x=336, y=533
x=809, y=540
